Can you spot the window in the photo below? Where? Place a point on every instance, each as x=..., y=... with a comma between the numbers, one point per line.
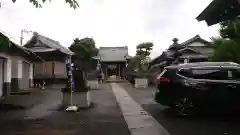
x=212, y=74
x=235, y=74
x=186, y=73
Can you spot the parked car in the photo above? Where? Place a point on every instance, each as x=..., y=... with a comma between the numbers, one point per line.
x=188, y=88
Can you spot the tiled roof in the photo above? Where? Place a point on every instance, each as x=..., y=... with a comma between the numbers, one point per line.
x=45, y=42
x=195, y=38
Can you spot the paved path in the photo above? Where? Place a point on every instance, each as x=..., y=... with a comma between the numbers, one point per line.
x=138, y=120
x=104, y=118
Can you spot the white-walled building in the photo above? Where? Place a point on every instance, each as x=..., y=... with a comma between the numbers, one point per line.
x=16, y=67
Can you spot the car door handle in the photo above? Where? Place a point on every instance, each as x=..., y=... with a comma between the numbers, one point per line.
x=231, y=86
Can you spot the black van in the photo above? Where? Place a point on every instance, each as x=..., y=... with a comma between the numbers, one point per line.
x=188, y=88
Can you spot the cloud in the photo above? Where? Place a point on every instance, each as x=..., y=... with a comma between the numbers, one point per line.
x=109, y=22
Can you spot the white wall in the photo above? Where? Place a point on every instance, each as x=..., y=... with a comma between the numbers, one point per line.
x=17, y=66
x=200, y=47
x=8, y=69
x=196, y=44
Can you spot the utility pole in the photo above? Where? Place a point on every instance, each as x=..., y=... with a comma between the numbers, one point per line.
x=21, y=38
x=22, y=32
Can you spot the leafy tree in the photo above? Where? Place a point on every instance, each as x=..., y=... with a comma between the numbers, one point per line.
x=73, y=3
x=84, y=50
x=4, y=42
x=227, y=47
x=226, y=50
x=140, y=61
x=144, y=49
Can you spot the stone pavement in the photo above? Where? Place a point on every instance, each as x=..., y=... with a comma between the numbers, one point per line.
x=138, y=120
x=104, y=118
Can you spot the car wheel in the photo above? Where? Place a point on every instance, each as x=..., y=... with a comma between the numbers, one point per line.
x=185, y=107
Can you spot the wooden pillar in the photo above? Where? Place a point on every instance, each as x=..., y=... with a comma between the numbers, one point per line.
x=106, y=70
x=53, y=74
x=119, y=72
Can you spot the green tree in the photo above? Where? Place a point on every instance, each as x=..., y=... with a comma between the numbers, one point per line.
x=139, y=62
x=84, y=51
x=226, y=50
x=144, y=49
x=227, y=47
x=4, y=42
x=37, y=3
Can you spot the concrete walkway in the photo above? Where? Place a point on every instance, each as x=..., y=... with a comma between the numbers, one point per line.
x=103, y=118
x=138, y=120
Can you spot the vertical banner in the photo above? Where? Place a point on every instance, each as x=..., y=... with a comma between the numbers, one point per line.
x=69, y=72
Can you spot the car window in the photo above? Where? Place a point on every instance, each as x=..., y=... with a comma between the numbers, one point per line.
x=212, y=74
x=235, y=74
x=185, y=73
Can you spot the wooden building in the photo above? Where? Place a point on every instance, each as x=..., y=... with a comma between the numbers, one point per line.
x=113, y=60
x=53, y=69
x=195, y=49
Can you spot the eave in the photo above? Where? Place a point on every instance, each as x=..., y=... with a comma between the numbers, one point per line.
x=220, y=10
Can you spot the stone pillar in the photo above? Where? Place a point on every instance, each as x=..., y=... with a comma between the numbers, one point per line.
x=7, y=76
x=31, y=75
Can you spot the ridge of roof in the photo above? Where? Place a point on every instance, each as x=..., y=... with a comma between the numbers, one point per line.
x=197, y=37
x=50, y=43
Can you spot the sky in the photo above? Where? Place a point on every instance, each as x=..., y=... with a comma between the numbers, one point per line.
x=109, y=22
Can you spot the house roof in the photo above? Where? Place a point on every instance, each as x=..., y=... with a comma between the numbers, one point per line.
x=189, y=50
x=180, y=48
x=40, y=43
x=195, y=39
x=17, y=49
x=113, y=54
x=220, y=10
x=175, y=45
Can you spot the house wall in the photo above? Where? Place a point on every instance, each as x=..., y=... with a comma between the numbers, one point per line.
x=6, y=76
x=20, y=76
x=201, y=47
x=113, y=54
x=43, y=70
x=50, y=71
x=60, y=70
